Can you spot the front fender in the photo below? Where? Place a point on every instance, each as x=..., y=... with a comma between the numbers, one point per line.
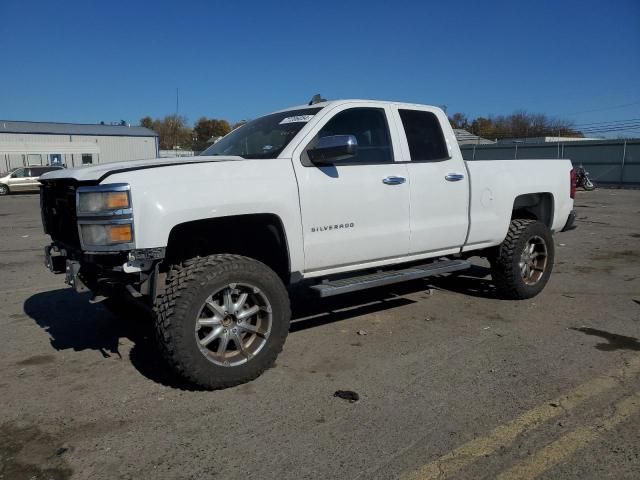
x=168, y=196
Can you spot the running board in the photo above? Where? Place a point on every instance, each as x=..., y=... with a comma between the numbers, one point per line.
x=362, y=282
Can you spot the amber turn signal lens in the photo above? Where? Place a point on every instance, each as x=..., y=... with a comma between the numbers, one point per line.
x=117, y=200
x=120, y=234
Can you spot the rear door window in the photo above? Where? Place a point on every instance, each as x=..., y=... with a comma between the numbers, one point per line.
x=424, y=135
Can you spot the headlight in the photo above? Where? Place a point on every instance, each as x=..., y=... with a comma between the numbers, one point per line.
x=97, y=235
x=105, y=217
x=92, y=203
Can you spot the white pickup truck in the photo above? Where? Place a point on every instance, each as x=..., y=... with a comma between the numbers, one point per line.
x=341, y=195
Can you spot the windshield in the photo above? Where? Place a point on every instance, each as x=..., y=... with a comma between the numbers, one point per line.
x=264, y=137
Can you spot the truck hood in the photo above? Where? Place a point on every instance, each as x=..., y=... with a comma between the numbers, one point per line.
x=99, y=172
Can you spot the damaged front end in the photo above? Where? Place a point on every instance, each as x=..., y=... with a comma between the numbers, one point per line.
x=93, y=233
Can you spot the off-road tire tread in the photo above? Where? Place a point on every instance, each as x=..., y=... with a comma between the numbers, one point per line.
x=179, y=282
x=502, y=264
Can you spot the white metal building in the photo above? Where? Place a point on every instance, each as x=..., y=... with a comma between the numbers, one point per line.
x=72, y=144
x=176, y=153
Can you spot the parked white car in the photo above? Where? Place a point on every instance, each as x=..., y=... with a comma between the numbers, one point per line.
x=343, y=195
x=23, y=179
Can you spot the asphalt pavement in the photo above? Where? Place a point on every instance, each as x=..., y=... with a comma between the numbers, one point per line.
x=452, y=382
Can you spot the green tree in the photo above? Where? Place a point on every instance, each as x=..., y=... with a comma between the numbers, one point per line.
x=459, y=120
x=146, y=122
x=208, y=129
x=482, y=127
x=174, y=132
x=522, y=124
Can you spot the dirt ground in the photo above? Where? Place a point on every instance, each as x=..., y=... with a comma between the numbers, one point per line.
x=453, y=382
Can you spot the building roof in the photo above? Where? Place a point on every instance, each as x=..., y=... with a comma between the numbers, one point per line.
x=465, y=137
x=56, y=128
x=547, y=139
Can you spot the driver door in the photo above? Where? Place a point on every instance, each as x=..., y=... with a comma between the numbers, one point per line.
x=19, y=180
x=355, y=212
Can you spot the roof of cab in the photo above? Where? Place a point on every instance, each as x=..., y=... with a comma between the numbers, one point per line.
x=353, y=100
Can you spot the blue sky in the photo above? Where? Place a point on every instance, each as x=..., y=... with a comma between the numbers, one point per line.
x=86, y=61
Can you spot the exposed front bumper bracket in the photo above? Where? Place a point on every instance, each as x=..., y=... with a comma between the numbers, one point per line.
x=72, y=277
x=55, y=259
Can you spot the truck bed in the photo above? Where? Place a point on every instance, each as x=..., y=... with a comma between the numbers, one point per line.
x=496, y=184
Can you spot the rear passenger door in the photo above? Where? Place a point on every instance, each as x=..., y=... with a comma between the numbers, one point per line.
x=438, y=179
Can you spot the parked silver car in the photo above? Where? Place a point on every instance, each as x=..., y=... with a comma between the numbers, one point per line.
x=23, y=179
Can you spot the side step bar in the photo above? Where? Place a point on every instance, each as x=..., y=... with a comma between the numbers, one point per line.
x=362, y=282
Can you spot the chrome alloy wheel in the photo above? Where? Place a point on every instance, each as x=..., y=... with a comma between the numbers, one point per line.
x=233, y=324
x=533, y=260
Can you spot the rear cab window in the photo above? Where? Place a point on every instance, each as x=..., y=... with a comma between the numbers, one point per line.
x=424, y=136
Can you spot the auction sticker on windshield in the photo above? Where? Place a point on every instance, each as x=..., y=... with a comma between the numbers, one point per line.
x=298, y=118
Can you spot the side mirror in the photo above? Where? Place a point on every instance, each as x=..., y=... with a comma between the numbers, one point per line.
x=334, y=148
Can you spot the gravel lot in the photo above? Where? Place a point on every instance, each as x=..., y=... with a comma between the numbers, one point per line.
x=453, y=383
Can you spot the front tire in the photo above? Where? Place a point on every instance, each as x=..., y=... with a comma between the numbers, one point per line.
x=4, y=190
x=523, y=262
x=222, y=320
x=588, y=185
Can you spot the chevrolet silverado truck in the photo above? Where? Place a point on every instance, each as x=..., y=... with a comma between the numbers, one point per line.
x=337, y=196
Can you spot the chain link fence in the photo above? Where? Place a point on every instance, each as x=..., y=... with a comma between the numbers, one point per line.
x=609, y=162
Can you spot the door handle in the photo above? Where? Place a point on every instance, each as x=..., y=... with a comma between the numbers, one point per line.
x=394, y=180
x=454, y=177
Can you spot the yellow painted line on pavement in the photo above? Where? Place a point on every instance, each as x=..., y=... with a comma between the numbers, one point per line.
x=568, y=444
x=504, y=435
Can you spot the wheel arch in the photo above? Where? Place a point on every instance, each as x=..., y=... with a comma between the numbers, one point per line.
x=261, y=236
x=538, y=206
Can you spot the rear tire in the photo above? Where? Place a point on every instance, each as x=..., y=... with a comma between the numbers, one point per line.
x=523, y=262
x=589, y=186
x=222, y=320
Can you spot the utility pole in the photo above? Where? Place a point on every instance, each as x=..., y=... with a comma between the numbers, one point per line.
x=175, y=131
